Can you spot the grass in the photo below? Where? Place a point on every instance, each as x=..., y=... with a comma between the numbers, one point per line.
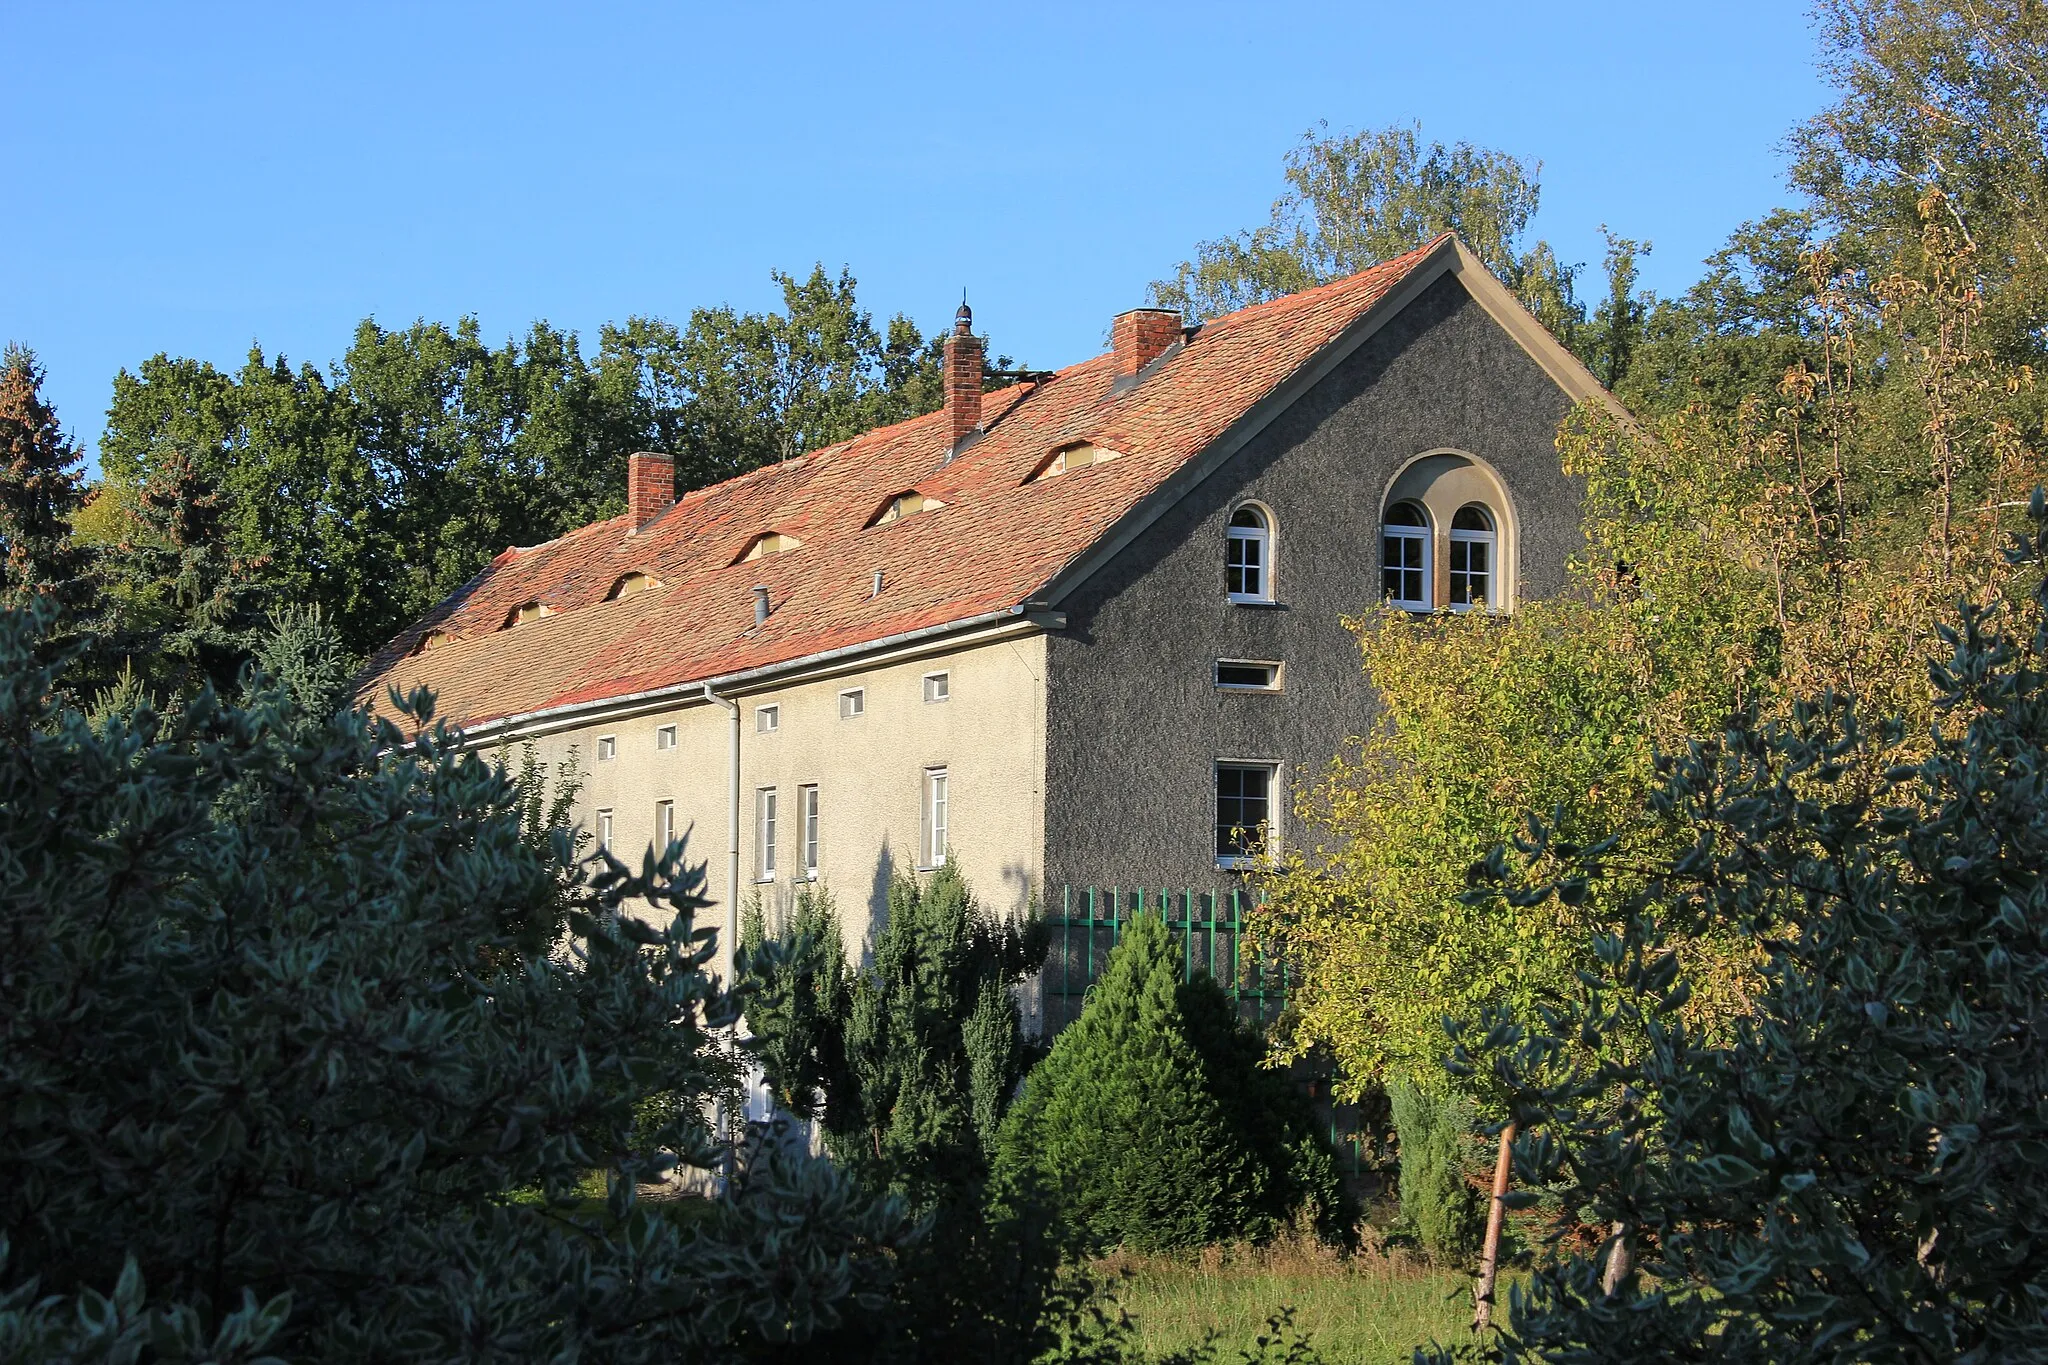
x=1357, y=1310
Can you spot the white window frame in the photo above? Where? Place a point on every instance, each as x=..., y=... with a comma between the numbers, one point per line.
x=935, y=833
x=807, y=817
x=607, y=748
x=853, y=703
x=1262, y=536
x=664, y=739
x=765, y=833
x=1273, y=685
x=767, y=719
x=1271, y=843
x=1491, y=540
x=938, y=687
x=664, y=826
x=604, y=830
x=1423, y=535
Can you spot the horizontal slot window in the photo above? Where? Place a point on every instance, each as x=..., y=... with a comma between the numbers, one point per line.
x=1247, y=675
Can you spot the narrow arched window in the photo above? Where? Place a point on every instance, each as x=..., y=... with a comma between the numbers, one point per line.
x=1473, y=551
x=1404, y=557
x=1248, y=558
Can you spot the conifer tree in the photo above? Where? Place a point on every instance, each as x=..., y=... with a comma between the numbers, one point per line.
x=1150, y=1123
x=40, y=492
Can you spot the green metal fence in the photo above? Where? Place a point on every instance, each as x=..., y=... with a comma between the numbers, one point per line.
x=1087, y=921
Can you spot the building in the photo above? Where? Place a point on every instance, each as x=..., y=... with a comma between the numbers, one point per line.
x=1082, y=629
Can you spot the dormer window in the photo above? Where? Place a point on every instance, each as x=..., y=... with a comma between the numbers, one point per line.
x=905, y=504
x=630, y=584
x=433, y=639
x=527, y=611
x=1066, y=459
x=768, y=543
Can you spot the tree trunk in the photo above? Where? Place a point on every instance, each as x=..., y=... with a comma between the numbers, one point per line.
x=1620, y=1260
x=1496, y=1211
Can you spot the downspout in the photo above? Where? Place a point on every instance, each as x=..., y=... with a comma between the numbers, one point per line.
x=732, y=830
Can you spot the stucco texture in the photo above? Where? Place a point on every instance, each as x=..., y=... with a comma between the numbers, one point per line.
x=1134, y=722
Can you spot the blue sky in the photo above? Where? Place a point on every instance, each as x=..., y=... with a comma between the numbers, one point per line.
x=194, y=178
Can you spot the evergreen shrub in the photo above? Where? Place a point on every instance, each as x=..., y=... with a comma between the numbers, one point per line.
x=1438, y=1203
x=276, y=1074
x=1152, y=1124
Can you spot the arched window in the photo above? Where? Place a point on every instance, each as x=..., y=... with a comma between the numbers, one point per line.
x=1248, y=558
x=1404, y=558
x=1473, y=545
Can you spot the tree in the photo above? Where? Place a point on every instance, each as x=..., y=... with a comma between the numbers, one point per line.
x=40, y=495
x=1804, y=542
x=1854, y=1169
x=187, y=609
x=1358, y=198
x=268, y=1045
x=1151, y=1124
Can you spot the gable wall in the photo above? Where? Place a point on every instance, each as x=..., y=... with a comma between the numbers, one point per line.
x=1134, y=723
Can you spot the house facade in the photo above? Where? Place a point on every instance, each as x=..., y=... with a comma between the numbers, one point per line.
x=1084, y=629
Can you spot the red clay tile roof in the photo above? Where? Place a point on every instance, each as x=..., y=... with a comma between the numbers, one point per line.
x=996, y=541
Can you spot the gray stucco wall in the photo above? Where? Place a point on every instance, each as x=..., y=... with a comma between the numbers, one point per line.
x=1134, y=723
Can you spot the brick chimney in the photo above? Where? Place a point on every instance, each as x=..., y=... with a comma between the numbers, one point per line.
x=650, y=486
x=1140, y=336
x=963, y=379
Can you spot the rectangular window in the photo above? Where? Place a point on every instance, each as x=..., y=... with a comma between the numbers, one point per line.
x=604, y=830
x=1404, y=579
x=607, y=748
x=1244, y=810
x=853, y=702
x=1471, y=569
x=665, y=738
x=807, y=811
x=764, y=834
x=1247, y=675
x=936, y=814
x=664, y=826
x=767, y=719
x=938, y=686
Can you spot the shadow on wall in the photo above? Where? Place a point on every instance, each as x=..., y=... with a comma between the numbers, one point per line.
x=878, y=902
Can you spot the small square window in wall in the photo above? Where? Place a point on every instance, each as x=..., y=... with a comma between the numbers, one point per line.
x=767, y=719
x=853, y=702
x=665, y=738
x=607, y=748
x=1247, y=675
x=938, y=686
x=1244, y=812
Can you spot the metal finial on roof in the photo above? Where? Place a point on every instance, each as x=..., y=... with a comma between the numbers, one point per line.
x=963, y=319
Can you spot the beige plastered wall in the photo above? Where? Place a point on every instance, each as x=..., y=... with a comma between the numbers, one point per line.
x=989, y=735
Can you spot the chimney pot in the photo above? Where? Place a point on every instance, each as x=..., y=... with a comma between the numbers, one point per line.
x=650, y=486
x=962, y=364
x=1139, y=336
x=760, y=605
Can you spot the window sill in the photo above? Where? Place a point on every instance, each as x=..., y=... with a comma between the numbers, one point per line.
x=1236, y=864
x=1257, y=603
x=764, y=881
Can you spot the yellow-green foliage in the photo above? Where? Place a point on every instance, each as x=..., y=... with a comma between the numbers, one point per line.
x=1810, y=540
